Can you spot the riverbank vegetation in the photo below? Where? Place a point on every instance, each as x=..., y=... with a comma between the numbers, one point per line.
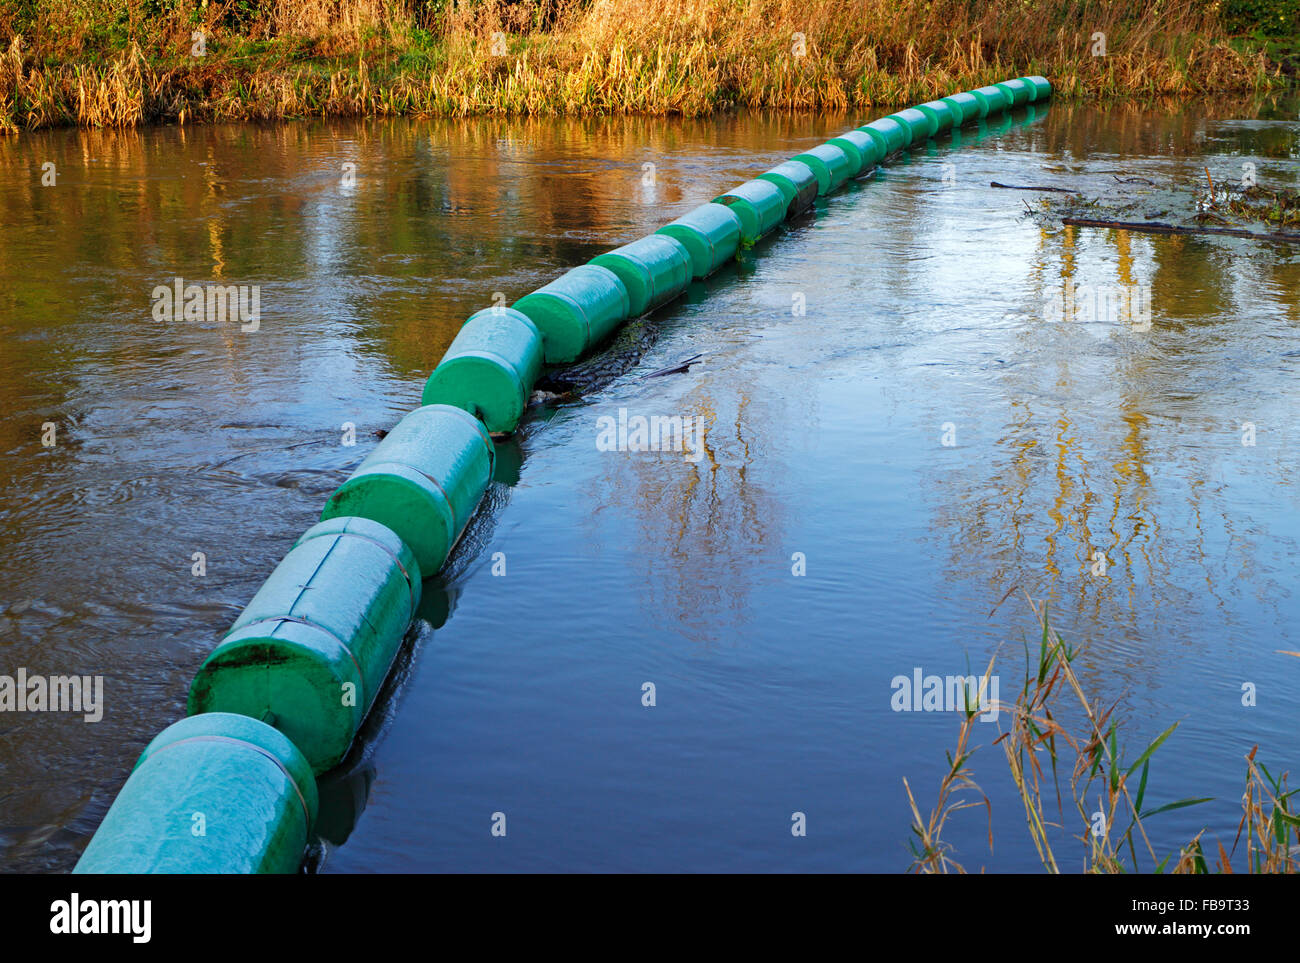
x=125, y=62
x=1068, y=765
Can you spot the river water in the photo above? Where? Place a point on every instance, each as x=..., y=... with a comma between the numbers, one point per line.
x=890, y=407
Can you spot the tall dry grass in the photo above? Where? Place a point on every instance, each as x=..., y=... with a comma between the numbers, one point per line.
x=1057, y=730
x=102, y=66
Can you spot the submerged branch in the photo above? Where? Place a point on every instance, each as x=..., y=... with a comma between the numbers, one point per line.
x=1158, y=227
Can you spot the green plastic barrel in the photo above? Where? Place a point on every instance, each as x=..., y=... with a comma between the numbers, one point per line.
x=310, y=651
x=490, y=368
x=892, y=135
x=759, y=204
x=832, y=165
x=993, y=99
x=862, y=148
x=215, y=793
x=710, y=234
x=920, y=127
x=851, y=151
x=964, y=107
x=653, y=269
x=576, y=311
x=1041, y=87
x=941, y=116
x=1017, y=91
x=797, y=182
x=423, y=481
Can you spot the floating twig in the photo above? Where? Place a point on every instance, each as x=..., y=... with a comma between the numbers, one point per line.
x=1019, y=187
x=1156, y=227
x=680, y=368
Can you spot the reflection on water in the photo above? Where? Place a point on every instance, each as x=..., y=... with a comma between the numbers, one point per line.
x=1093, y=464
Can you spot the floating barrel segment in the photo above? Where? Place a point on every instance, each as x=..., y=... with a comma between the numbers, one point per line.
x=1041, y=89
x=851, y=151
x=941, y=116
x=797, y=182
x=920, y=127
x=863, y=150
x=710, y=234
x=890, y=133
x=831, y=164
x=312, y=648
x=490, y=368
x=964, y=107
x=576, y=311
x=214, y=793
x=654, y=270
x=423, y=481
x=992, y=100
x=759, y=204
x=1017, y=92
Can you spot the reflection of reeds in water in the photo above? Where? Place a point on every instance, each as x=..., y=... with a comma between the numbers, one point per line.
x=691, y=57
x=1056, y=731
x=1067, y=501
x=698, y=526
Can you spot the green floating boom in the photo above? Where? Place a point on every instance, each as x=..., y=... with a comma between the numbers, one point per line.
x=654, y=270
x=890, y=133
x=862, y=149
x=920, y=126
x=312, y=648
x=1042, y=89
x=831, y=165
x=489, y=368
x=759, y=204
x=941, y=116
x=231, y=789
x=964, y=107
x=710, y=234
x=423, y=481
x=992, y=99
x=1018, y=92
x=214, y=793
x=797, y=182
x=576, y=311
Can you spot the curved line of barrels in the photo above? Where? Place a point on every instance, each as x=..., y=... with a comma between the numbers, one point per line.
x=232, y=787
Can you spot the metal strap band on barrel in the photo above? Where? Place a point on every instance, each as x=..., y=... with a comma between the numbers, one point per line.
x=429, y=478
x=586, y=323
x=393, y=555
x=302, y=800
x=647, y=271
x=483, y=434
x=397, y=559
x=492, y=356
x=714, y=260
x=706, y=237
x=313, y=625
x=518, y=317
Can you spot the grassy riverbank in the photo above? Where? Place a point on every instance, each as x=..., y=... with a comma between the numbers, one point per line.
x=104, y=63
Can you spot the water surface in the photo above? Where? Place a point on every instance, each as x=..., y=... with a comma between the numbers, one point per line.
x=923, y=292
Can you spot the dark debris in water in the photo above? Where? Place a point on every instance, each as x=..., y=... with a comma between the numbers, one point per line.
x=1278, y=208
x=623, y=353
x=1196, y=206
